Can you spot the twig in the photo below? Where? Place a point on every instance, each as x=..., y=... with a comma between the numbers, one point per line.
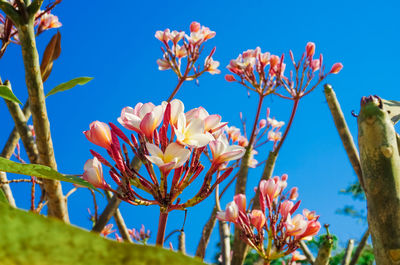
x=348, y=252
x=123, y=230
x=56, y=204
x=344, y=132
x=306, y=251
x=359, y=248
x=113, y=203
x=18, y=181
x=94, y=204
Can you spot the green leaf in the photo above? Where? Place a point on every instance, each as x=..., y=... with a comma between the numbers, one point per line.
x=3, y=197
x=32, y=239
x=6, y=93
x=41, y=171
x=70, y=84
x=393, y=109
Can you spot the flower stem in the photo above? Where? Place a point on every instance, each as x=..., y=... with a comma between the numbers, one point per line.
x=162, y=223
x=294, y=109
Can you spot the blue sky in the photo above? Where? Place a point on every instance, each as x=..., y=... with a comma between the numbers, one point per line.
x=115, y=44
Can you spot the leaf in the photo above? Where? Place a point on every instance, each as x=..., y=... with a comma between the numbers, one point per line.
x=41, y=171
x=6, y=93
x=3, y=197
x=31, y=239
x=393, y=109
x=70, y=84
x=51, y=53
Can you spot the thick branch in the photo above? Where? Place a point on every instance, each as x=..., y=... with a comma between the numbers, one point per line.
x=182, y=242
x=206, y=233
x=360, y=248
x=306, y=251
x=344, y=132
x=324, y=252
x=57, y=206
x=225, y=237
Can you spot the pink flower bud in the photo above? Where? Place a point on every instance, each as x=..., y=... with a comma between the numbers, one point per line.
x=336, y=68
x=230, y=78
x=310, y=49
x=99, y=134
x=262, y=123
x=195, y=26
x=257, y=218
x=294, y=194
x=315, y=65
x=274, y=60
x=285, y=209
x=240, y=201
x=231, y=213
x=94, y=173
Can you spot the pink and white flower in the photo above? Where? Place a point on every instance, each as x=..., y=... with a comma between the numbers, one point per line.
x=93, y=173
x=223, y=152
x=48, y=21
x=175, y=156
x=99, y=134
x=177, y=108
x=192, y=133
x=144, y=118
x=231, y=213
x=295, y=226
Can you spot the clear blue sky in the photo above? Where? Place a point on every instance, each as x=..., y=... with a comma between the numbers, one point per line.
x=115, y=44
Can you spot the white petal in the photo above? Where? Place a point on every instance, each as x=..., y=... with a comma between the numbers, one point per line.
x=146, y=108
x=155, y=160
x=154, y=150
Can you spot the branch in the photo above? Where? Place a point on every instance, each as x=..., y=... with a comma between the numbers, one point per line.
x=113, y=203
x=348, y=252
x=10, y=11
x=57, y=206
x=22, y=128
x=310, y=257
x=182, y=242
x=324, y=252
x=7, y=151
x=225, y=237
x=34, y=7
x=344, y=132
x=123, y=230
x=359, y=248
x=206, y=233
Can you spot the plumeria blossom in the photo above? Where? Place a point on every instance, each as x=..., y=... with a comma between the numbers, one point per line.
x=93, y=173
x=139, y=236
x=192, y=133
x=144, y=118
x=107, y=230
x=274, y=123
x=274, y=224
x=177, y=108
x=99, y=134
x=223, y=152
x=211, y=66
x=175, y=156
x=162, y=136
x=199, y=34
x=48, y=21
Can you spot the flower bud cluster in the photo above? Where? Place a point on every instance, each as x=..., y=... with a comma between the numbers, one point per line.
x=179, y=45
x=275, y=222
x=171, y=140
x=251, y=70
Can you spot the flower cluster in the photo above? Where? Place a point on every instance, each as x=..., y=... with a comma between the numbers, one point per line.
x=178, y=45
x=140, y=236
x=251, y=69
x=275, y=222
x=169, y=139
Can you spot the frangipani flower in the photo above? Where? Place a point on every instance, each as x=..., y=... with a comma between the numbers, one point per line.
x=312, y=229
x=177, y=108
x=93, y=173
x=199, y=34
x=211, y=122
x=296, y=226
x=231, y=213
x=48, y=21
x=99, y=134
x=192, y=133
x=270, y=188
x=257, y=219
x=297, y=256
x=211, y=66
x=223, y=152
x=107, y=230
x=144, y=118
x=274, y=123
x=175, y=156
